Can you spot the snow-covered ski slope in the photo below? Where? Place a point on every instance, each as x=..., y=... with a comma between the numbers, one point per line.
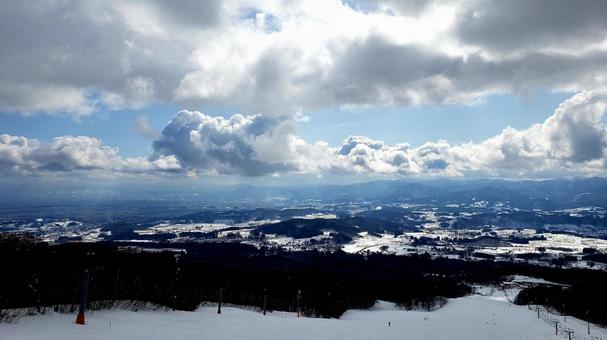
x=471, y=317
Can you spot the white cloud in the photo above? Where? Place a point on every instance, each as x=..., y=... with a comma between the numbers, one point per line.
x=241, y=145
x=275, y=58
x=278, y=60
x=29, y=100
x=23, y=156
x=572, y=141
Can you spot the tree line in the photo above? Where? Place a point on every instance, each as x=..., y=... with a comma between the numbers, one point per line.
x=181, y=276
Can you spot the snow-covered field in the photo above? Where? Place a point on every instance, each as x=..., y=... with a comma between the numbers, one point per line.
x=487, y=316
x=402, y=244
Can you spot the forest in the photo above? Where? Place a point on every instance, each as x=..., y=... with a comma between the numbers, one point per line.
x=181, y=276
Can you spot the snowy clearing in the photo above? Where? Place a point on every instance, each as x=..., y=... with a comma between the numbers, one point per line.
x=487, y=316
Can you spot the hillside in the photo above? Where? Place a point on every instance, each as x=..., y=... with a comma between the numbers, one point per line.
x=471, y=317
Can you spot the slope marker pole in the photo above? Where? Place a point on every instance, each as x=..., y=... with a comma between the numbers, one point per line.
x=299, y=303
x=220, y=298
x=84, y=286
x=265, y=300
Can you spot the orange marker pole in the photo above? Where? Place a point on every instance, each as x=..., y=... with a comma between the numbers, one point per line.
x=84, y=286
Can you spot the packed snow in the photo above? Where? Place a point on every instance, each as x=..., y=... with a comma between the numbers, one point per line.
x=485, y=315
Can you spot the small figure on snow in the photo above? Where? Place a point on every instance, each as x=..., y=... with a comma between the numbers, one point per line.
x=389, y=325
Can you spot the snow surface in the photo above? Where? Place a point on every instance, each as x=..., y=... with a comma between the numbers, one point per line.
x=554, y=243
x=532, y=280
x=487, y=316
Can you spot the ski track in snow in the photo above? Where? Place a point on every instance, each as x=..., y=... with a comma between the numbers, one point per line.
x=471, y=317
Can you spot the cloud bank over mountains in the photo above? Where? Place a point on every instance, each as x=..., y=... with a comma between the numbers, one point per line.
x=572, y=141
x=76, y=58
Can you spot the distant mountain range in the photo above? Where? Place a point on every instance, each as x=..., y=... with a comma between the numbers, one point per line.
x=524, y=194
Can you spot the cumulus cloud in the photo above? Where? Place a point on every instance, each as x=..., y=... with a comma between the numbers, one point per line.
x=241, y=145
x=572, y=141
x=278, y=59
x=573, y=137
x=274, y=58
x=20, y=155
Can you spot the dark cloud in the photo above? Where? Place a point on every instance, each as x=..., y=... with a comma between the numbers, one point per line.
x=194, y=13
x=518, y=24
x=215, y=145
x=76, y=57
x=377, y=71
x=68, y=57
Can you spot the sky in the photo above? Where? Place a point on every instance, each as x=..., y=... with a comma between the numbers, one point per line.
x=302, y=91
